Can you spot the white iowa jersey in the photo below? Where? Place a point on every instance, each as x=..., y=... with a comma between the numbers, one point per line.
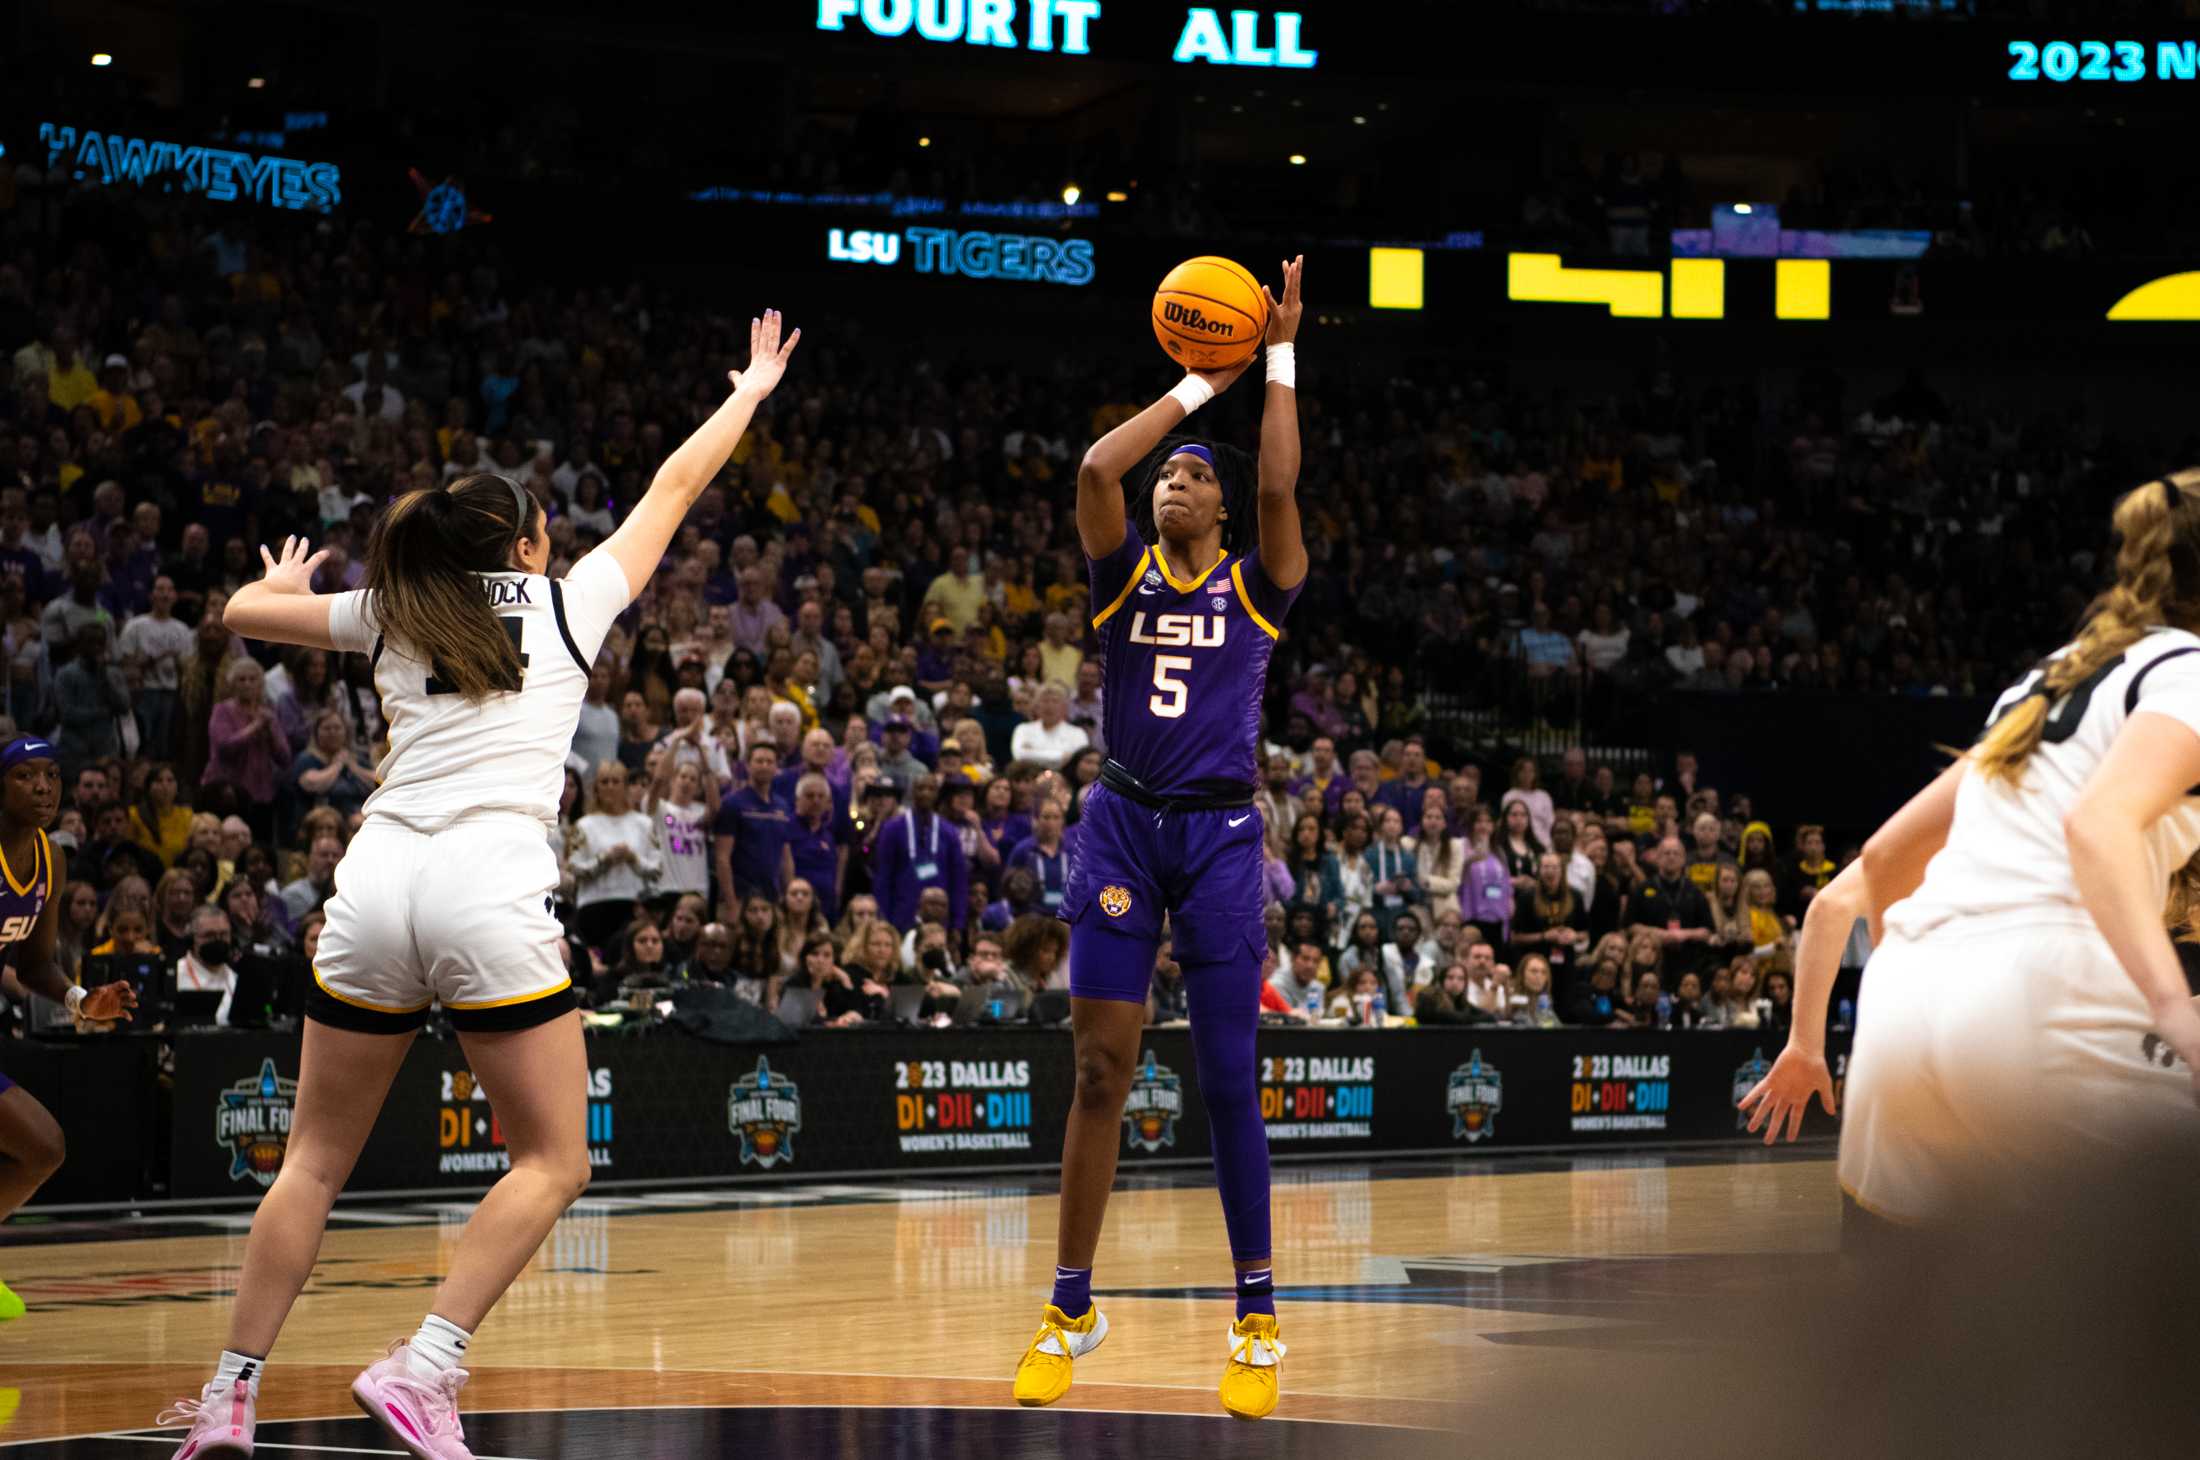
x=447, y=757
x=2005, y=850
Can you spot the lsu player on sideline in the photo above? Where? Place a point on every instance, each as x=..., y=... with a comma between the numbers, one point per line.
x=1187, y=619
x=2024, y=996
x=444, y=894
x=30, y=917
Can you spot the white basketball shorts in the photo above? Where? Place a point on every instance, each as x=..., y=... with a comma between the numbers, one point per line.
x=1989, y=1055
x=459, y=918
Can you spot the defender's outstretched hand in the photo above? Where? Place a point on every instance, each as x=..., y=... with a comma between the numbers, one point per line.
x=293, y=572
x=1784, y=1094
x=1283, y=314
x=767, y=356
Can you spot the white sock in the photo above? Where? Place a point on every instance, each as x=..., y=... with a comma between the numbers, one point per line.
x=235, y=1366
x=439, y=1345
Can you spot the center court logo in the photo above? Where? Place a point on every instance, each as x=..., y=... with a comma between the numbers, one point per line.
x=1476, y=1094
x=765, y=1111
x=1156, y=1100
x=1751, y=1070
x=252, y=1123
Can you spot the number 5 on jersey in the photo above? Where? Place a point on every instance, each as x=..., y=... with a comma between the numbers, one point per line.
x=1174, y=694
x=512, y=625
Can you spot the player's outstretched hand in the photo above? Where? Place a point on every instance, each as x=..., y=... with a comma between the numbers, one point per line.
x=767, y=356
x=293, y=571
x=107, y=1003
x=1283, y=314
x=1785, y=1093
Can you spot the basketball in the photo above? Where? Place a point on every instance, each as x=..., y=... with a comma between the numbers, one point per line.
x=1209, y=314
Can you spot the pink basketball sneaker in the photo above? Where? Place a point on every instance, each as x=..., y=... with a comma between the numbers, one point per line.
x=221, y=1422
x=420, y=1414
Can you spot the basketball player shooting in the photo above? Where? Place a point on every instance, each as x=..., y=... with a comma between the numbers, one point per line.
x=1188, y=612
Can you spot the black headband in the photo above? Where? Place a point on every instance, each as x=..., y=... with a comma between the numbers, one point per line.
x=2171, y=497
x=2184, y=559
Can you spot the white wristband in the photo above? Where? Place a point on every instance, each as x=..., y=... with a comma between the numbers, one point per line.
x=1283, y=365
x=1191, y=392
x=73, y=1000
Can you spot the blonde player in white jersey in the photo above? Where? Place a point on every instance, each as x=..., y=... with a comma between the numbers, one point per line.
x=2024, y=997
x=443, y=897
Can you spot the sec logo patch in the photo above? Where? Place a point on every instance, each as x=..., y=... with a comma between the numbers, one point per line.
x=1115, y=901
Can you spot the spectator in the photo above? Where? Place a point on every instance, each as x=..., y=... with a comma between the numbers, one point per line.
x=640, y=970
x=1706, y=857
x=1277, y=804
x=1688, y=1002
x=1595, y=1003
x=154, y=646
x=1446, y=1001
x=679, y=819
x=1361, y=1003
x=1531, y=1002
x=1730, y=930
x=246, y=749
x=1048, y=739
x=1780, y=996
x=1808, y=869
x=327, y=773
x=615, y=862
x=1306, y=979
x=1408, y=791
x=747, y=837
x=1348, y=877
x=1044, y=856
x=1524, y=790
x=1771, y=935
x=308, y=894
x=158, y=821
x=915, y=851
x=1643, y=1005
x=812, y=848
x=1366, y=949
x=1669, y=907
x=712, y=961
x=1548, y=919
x=1519, y=846
x=207, y=967
x=1393, y=871
x=1487, y=895
x=1486, y=981
x=91, y=700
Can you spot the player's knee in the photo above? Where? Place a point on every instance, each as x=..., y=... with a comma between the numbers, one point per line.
x=44, y=1152
x=567, y=1176
x=1103, y=1078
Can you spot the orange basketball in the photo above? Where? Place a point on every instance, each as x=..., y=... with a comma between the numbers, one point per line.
x=1209, y=314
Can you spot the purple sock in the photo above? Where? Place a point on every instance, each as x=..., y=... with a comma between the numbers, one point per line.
x=1073, y=1290
x=1256, y=1292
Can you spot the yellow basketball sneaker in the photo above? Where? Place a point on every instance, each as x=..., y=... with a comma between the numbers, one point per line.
x=1256, y=1362
x=1043, y=1375
x=10, y=1305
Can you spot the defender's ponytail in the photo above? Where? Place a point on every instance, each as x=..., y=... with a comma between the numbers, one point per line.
x=421, y=568
x=2157, y=582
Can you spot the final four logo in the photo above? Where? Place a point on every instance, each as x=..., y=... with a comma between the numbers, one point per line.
x=1477, y=1093
x=1156, y=1100
x=1752, y=1070
x=764, y=1110
x=252, y=1122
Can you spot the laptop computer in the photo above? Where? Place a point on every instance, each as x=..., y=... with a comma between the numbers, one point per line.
x=999, y=1002
x=797, y=1008
x=908, y=999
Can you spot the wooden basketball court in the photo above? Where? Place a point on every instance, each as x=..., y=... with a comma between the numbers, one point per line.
x=886, y=1319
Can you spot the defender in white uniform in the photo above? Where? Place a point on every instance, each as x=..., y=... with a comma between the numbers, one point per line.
x=444, y=894
x=2025, y=998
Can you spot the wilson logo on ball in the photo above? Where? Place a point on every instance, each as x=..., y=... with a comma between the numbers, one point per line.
x=1192, y=319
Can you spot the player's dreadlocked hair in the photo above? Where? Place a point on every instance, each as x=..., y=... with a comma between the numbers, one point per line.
x=1239, y=473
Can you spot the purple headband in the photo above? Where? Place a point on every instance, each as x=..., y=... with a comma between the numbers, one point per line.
x=1199, y=451
x=29, y=747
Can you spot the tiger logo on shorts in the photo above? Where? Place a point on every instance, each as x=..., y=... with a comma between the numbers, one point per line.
x=1115, y=901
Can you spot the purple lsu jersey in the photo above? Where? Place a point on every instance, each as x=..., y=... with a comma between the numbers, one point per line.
x=1184, y=665
x=23, y=899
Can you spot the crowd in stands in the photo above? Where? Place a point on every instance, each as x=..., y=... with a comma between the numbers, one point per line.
x=842, y=742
